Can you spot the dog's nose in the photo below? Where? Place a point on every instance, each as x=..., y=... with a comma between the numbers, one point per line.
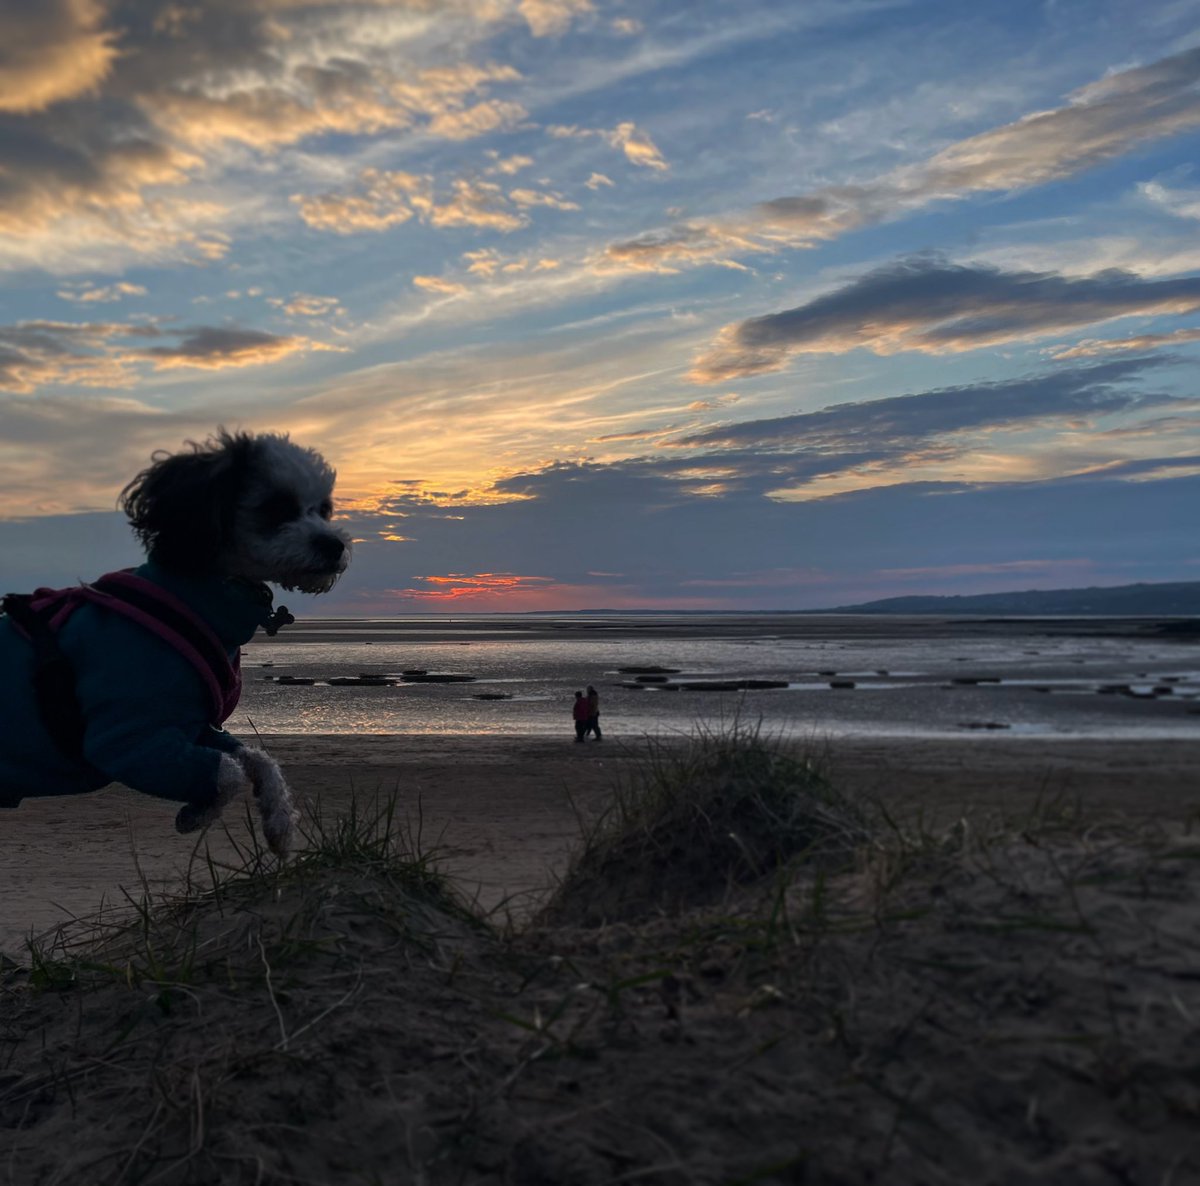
x=329, y=548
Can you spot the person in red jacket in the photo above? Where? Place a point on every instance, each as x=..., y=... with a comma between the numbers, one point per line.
x=593, y=703
x=581, y=712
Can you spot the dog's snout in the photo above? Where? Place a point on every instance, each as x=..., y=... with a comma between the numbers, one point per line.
x=329, y=548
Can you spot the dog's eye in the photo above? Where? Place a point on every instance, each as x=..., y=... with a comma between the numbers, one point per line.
x=280, y=508
x=325, y=510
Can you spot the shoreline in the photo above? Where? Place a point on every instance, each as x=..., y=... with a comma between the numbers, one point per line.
x=505, y=811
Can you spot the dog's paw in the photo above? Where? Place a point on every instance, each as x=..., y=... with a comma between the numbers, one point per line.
x=232, y=781
x=274, y=799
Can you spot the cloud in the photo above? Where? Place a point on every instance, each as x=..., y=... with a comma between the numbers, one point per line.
x=627, y=137
x=1103, y=120
x=457, y=586
x=489, y=116
x=218, y=348
x=508, y=165
x=644, y=434
x=637, y=146
x=385, y=199
x=106, y=293
x=548, y=18
x=1100, y=122
x=476, y=204
x=304, y=304
x=683, y=245
x=440, y=90
x=599, y=181
x=1093, y=347
x=35, y=354
x=711, y=405
x=1181, y=203
x=439, y=284
x=99, y=173
x=532, y=197
x=283, y=101
x=1069, y=419
x=931, y=306
x=108, y=118
x=269, y=117
x=51, y=50
x=489, y=263
x=899, y=423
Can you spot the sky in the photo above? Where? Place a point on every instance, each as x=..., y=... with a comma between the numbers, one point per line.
x=659, y=304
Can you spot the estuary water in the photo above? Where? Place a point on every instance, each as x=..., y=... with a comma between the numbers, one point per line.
x=843, y=675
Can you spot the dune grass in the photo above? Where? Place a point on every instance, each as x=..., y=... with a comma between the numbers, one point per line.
x=743, y=976
x=728, y=807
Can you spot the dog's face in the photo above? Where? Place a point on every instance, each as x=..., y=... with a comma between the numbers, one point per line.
x=256, y=507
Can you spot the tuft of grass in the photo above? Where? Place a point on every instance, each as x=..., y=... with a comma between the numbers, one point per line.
x=163, y=1005
x=729, y=807
x=160, y=936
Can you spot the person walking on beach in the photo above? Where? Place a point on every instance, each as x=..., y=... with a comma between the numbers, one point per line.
x=593, y=723
x=580, y=712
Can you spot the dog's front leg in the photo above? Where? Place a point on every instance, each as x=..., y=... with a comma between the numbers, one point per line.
x=248, y=770
x=273, y=796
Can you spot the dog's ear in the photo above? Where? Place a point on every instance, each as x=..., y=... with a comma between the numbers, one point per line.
x=182, y=506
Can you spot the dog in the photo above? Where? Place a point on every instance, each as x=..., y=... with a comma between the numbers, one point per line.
x=129, y=679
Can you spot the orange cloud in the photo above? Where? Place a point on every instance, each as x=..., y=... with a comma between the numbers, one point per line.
x=1093, y=347
x=478, y=204
x=533, y=197
x=633, y=141
x=268, y=117
x=688, y=244
x=53, y=50
x=637, y=146
x=457, y=586
x=215, y=349
x=91, y=294
x=385, y=199
x=486, y=116
x=304, y=304
x=90, y=177
x=35, y=354
x=549, y=17
x=438, y=284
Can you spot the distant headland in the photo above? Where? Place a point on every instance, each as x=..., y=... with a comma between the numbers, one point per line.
x=1169, y=599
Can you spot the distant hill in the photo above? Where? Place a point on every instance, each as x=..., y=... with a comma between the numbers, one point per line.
x=1172, y=599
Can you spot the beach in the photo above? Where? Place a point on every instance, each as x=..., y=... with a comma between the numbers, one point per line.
x=933, y=927
x=503, y=812
x=874, y=960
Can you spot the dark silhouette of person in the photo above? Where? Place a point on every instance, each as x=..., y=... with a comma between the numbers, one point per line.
x=580, y=712
x=593, y=722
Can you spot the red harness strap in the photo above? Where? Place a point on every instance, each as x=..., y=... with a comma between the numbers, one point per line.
x=156, y=610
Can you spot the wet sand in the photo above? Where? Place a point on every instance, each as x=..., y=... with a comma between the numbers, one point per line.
x=504, y=811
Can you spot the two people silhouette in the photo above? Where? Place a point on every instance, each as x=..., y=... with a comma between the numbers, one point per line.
x=586, y=712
